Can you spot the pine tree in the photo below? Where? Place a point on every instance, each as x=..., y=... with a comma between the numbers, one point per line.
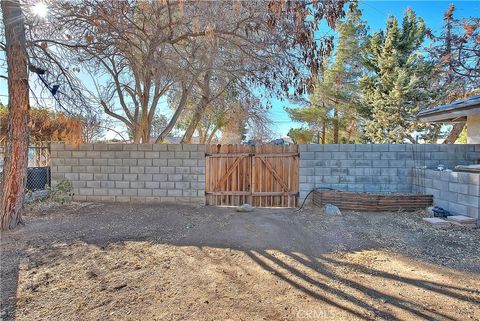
x=300, y=135
x=314, y=114
x=396, y=85
x=332, y=108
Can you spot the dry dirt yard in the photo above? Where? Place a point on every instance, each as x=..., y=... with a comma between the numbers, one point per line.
x=172, y=262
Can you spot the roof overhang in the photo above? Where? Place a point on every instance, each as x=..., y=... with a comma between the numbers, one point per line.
x=456, y=112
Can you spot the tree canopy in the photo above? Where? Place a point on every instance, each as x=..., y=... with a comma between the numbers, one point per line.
x=200, y=67
x=331, y=110
x=140, y=53
x=396, y=85
x=373, y=85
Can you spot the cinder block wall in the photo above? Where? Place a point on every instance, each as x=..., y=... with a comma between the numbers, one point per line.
x=457, y=192
x=176, y=173
x=375, y=168
x=131, y=172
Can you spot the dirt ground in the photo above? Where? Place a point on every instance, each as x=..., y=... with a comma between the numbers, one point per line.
x=173, y=262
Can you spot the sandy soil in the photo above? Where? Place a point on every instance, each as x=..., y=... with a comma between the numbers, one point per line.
x=138, y=262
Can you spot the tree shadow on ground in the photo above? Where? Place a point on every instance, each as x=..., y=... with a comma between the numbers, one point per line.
x=270, y=263
x=303, y=258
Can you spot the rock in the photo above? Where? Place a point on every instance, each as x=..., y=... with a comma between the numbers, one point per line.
x=464, y=221
x=119, y=286
x=245, y=208
x=330, y=209
x=469, y=225
x=437, y=222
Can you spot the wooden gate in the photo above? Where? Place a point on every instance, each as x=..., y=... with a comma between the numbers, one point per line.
x=264, y=176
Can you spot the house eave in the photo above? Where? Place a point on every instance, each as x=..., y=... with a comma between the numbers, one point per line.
x=457, y=111
x=449, y=116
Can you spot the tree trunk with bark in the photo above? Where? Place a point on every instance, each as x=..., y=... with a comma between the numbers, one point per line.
x=187, y=137
x=324, y=133
x=200, y=110
x=183, y=101
x=16, y=156
x=212, y=135
x=335, y=124
x=324, y=126
x=454, y=133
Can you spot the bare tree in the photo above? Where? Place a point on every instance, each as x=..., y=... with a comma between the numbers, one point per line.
x=92, y=128
x=146, y=51
x=125, y=45
x=233, y=113
x=267, y=48
x=16, y=156
x=456, y=53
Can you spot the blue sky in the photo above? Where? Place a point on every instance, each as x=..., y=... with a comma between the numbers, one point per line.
x=376, y=14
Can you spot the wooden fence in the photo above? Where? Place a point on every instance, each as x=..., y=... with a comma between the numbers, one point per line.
x=264, y=176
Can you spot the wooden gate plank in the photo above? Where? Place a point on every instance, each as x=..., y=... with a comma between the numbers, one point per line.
x=229, y=171
x=274, y=173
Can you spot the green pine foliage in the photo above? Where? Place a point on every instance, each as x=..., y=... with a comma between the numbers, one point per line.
x=373, y=85
x=396, y=86
x=332, y=110
x=301, y=135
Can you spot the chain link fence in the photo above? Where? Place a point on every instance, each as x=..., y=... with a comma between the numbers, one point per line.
x=38, y=172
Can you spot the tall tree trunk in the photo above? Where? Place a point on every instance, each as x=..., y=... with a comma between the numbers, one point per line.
x=136, y=134
x=146, y=132
x=146, y=124
x=335, y=124
x=454, y=133
x=200, y=110
x=324, y=126
x=16, y=156
x=350, y=131
x=324, y=133
x=187, y=137
x=181, y=105
x=212, y=134
x=457, y=127
x=201, y=136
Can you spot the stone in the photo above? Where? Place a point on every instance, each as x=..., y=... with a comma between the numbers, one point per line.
x=461, y=219
x=437, y=222
x=469, y=225
x=330, y=209
x=245, y=208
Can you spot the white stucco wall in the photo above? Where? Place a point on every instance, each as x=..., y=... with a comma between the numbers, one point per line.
x=473, y=129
